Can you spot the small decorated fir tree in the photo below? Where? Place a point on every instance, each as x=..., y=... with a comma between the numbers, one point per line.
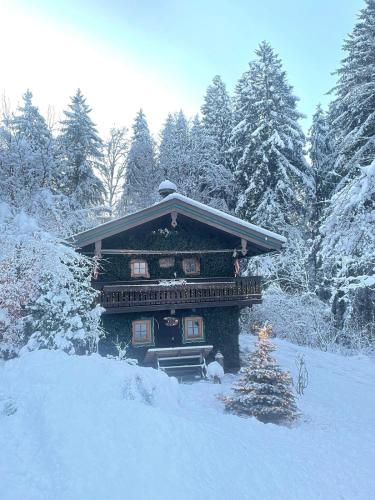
x=264, y=389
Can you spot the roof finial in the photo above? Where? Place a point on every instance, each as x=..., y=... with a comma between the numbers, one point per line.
x=167, y=187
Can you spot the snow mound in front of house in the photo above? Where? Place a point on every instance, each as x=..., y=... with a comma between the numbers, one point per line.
x=79, y=427
x=90, y=428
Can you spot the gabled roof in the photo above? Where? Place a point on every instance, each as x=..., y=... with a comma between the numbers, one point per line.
x=175, y=202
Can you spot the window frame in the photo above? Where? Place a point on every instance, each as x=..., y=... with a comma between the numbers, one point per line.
x=149, y=340
x=186, y=339
x=135, y=274
x=197, y=266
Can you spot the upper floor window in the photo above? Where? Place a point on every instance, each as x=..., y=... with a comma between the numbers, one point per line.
x=139, y=268
x=191, y=266
x=193, y=329
x=166, y=262
x=142, y=332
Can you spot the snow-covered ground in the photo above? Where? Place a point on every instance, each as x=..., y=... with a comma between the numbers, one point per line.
x=88, y=428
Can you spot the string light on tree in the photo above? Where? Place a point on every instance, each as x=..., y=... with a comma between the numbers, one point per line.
x=264, y=389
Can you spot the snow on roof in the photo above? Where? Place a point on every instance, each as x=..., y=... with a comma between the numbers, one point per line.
x=267, y=239
x=219, y=213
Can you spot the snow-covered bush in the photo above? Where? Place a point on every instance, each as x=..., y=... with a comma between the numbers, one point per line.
x=45, y=293
x=289, y=269
x=302, y=318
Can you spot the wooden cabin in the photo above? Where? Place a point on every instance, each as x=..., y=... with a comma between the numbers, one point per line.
x=169, y=280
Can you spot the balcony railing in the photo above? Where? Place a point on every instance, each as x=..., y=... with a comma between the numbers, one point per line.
x=120, y=297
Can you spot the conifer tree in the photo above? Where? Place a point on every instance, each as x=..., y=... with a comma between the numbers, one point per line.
x=208, y=181
x=29, y=124
x=175, y=150
x=352, y=111
x=267, y=145
x=241, y=122
x=320, y=152
x=80, y=150
x=347, y=250
x=45, y=289
x=167, y=153
x=217, y=118
x=182, y=146
x=217, y=124
x=142, y=177
x=274, y=181
x=263, y=389
x=27, y=156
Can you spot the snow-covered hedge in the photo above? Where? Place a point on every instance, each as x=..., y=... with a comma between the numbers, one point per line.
x=305, y=320
x=301, y=318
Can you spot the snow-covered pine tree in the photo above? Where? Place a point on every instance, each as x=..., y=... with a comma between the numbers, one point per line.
x=80, y=150
x=46, y=299
x=241, y=123
x=274, y=181
x=182, y=145
x=348, y=245
x=321, y=153
x=352, y=111
x=209, y=181
x=112, y=168
x=174, y=153
x=321, y=157
x=27, y=156
x=272, y=174
x=217, y=125
x=142, y=176
x=167, y=158
x=263, y=389
x=347, y=253
x=217, y=119
x=61, y=314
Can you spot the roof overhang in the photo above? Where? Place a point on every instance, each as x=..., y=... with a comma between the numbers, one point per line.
x=263, y=238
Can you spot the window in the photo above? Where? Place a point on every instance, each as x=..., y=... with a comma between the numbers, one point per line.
x=142, y=332
x=193, y=329
x=191, y=266
x=139, y=269
x=166, y=262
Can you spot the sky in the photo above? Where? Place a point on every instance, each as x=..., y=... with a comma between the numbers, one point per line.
x=160, y=55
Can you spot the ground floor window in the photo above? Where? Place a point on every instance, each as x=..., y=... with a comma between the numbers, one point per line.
x=142, y=332
x=193, y=329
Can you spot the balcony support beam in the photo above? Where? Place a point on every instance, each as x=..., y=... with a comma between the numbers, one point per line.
x=243, y=246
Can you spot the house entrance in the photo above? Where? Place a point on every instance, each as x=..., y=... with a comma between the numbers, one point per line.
x=168, y=330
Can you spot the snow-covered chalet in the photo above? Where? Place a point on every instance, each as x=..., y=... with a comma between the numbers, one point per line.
x=170, y=284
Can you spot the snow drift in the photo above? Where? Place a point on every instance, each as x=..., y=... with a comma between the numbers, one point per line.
x=90, y=428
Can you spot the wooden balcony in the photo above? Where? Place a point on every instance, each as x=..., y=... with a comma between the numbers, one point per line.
x=152, y=295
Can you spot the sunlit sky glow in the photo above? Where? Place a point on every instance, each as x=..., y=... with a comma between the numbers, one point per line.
x=160, y=54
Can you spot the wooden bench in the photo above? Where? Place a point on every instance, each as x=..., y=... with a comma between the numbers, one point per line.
x=180, y=362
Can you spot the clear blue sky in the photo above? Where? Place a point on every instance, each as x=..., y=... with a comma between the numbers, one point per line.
x=176, y=47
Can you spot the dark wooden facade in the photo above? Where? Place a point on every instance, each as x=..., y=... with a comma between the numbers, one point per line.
x=168, y=276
